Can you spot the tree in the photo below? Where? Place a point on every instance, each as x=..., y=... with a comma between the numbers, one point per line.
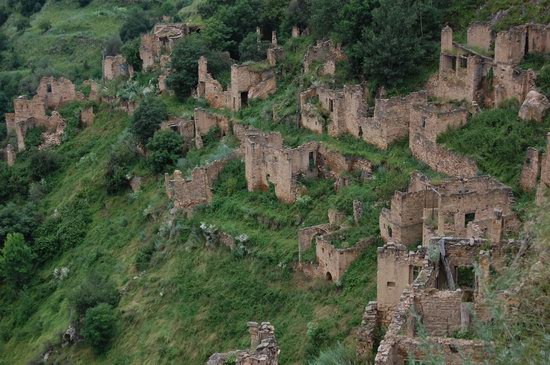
x=147, y=118
x=136, y=24
x=112, y=46
x=99, y=326
x=18, y=218
x=130, y=51
x=121, y=159
x=324, y=16
x=394, y=44
x=164, y=149
x=185, y=57
x=251, y=50
x=16, y=260
x=44, y=163
x=93, y=291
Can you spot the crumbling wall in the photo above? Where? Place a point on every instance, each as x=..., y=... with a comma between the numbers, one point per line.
x=325, y=53
x=544, y=184
x=210, y=88
x=531, y=169
x=333, y=262
x=56, y=92
x=9, y=155
x=160, y=42
x=431, y=120
x=480, y=35
x=188, y=193
x=204, y=121
x=87, y=116
x=510, y=45
x=248, y=83
x=115, y=67
x=442, y=312
x=511, y=83
x=264, y=349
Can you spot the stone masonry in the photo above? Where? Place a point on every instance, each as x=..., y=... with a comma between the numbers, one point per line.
x=447, y=208
x=115, y=67
x=189, y=193
x=326, y=54
x=264, y=349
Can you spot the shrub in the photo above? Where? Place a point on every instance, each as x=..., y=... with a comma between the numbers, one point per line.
x=33, y=136
x=123, y=156
x=16, y=260
x=251, y=50
x=185, y=57
x=112, y=46
x=147, y=118
x=29, y=7
x=337, y=355
x=99, y=326
x=136, y=24
x=18, y=218
x=543, y=79
x=130, y=50
x=164, y=149
x=22, y=23
x=92, y=292
x=45, y=25
x=44, y=163
x=84, y=3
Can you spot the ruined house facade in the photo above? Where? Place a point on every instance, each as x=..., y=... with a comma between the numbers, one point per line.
x=248, y=82
x=326, y=55
x=156, y=47
x=346, y=111
x=437, y=294
x=115, y=67
x=51, y=94
x=476, y=207
x=264, y=349
x=471, y=72
x=267, y=162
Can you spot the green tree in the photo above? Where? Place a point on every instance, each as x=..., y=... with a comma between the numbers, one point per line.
x=44, y=163
x=136, y=24
x=251, y=50
x=16, y=261
x=99, y=326
x=93, y=291
x=18, y=218
x=130, y=50
x=324, y=17
x=394, y=44
x=164, y=149
x=147, y=118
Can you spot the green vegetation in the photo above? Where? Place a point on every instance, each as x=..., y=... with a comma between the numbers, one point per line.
x=164, y=150
x=147, y=118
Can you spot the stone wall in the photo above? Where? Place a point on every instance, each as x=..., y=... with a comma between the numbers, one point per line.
x=511, y=83
x=332, y=261
x=544, y=183
x=431, y=120
x=264, y=349
x=210, y=88
x=480, y=36
x=115, y=67
x=188, y=193
x=531, y=170
x=56, y=92
x=326, y=54
x=250, y=82
x=205, y=121
x=9, y=155
x=160, y=42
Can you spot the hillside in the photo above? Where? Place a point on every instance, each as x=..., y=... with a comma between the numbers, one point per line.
x=98, y=234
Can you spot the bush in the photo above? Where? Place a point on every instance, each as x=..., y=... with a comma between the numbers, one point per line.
x=16, y=260
x=136, y=24
x=251, y=50
x=22, y=23
x=33, y=136
x=130, y=50
x=337, y=355
x=99, y=326
x=112, y=46
x=92, y=292
x=147, y=118
x=44, y=25
x=164, y=149
x=29, y=7
x=185, y=57
x=123, y=156
x=18, y=218
x=84, y=3
x=44, y=163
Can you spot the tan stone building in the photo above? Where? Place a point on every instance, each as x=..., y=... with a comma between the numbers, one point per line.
x=115, y=67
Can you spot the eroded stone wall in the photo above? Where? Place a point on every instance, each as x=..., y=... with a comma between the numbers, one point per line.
x=115, y=67
x=326, y=54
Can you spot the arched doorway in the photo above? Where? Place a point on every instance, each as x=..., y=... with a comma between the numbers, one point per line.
x=328, y=276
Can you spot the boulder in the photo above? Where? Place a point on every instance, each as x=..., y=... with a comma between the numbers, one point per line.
x=534, y=107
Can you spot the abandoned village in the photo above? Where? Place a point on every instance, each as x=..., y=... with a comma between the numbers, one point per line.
x=276, y=178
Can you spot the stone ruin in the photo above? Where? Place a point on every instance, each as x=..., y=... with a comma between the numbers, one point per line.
x=197, y=190
x=534, y=107
x=427, y=122
x=275, y=53
x=51, y=94
x=338, y=112
x=436, y=291
x=535, y=173
x=332, y=261
x=470, y=72
x=264, y=349
x=325, y=54
x=156, y=47
x=205, y=121
x=248, y=81
x=267, y=162
x=479, y=207
x=9, y=155
x=115, y=67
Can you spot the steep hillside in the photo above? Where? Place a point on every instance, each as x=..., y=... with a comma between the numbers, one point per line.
x=90, y=238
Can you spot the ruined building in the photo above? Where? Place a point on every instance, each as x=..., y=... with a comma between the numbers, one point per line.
x=248, y=81
x=426, y=297
x=267, y=162
x=346, y=111
x=326, y=54
x=332, y=261
x=156, y=47
x=485, y=69
x=264, y=349
x=28, y=113
x=427, y=122
x=475, y=207
x=115, y=67
x=187, y=193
